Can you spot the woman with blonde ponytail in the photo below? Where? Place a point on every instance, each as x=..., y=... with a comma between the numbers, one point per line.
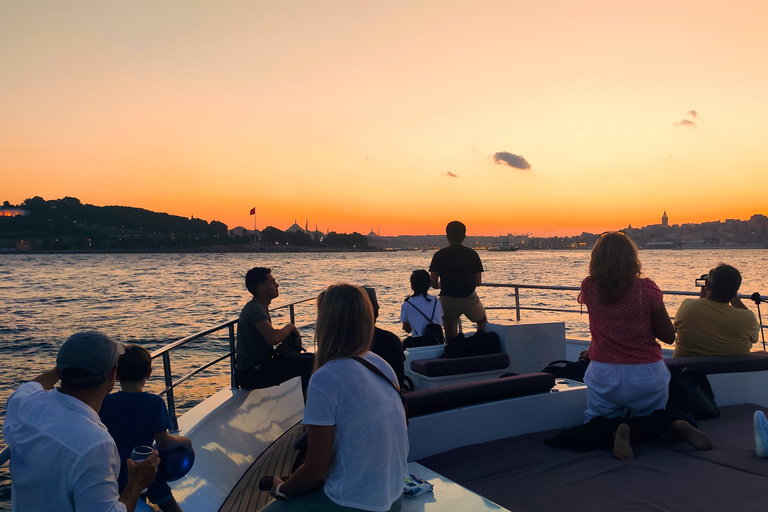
x=356, y=425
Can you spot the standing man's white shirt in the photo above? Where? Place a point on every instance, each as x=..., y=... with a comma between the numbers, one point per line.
x=62, y=457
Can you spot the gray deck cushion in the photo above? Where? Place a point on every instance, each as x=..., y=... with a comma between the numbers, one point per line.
x=523, y=474
x=428, y=401
x=438, y=367
x=754, y=362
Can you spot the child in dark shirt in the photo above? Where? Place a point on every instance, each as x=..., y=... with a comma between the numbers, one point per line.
x=135, y=417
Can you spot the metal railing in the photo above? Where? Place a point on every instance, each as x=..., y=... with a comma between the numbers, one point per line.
x=165, y=352
x=518, y=307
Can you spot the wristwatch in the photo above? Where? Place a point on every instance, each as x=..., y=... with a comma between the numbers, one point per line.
x=278, y=495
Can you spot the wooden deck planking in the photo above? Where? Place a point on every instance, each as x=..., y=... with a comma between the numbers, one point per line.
x=277, y=460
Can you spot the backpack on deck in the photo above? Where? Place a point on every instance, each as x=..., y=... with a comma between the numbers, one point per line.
x=479, y=344
x=573, y=370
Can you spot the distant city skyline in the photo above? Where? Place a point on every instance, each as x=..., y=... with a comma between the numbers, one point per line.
x=663, y=222
x=547, y=117
x=295, y=224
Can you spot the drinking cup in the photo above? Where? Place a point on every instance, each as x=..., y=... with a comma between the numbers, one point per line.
x=140, y=453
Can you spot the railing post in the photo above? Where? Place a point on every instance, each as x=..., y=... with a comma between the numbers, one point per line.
x=517, y=302
x=169, y=394
x=233, y=382
x=293, y=314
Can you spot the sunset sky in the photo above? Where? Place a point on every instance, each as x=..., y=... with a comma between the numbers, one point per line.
x=548, y=117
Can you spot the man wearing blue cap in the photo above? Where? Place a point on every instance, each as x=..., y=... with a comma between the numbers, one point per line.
x=62, y=457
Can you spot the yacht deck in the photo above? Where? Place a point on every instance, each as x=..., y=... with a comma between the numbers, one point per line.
x=278, y=459
x=524, y=474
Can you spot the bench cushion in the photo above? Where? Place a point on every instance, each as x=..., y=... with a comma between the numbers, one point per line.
x=427, y=401
x=755, y=362
x=439, y=367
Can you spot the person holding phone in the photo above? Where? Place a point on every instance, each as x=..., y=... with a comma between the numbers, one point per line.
x=717, y=323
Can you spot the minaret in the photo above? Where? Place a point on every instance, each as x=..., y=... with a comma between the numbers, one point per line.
x=665, y=220
x=306, y=225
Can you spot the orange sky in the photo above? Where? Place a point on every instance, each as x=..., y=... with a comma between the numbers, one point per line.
x=386, y=115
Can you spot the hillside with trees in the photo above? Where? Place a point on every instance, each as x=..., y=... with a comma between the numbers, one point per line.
x=68, y=224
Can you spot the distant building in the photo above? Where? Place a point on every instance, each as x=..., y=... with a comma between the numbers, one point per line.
x=758, y=223
x=239, y=231
x=294, y=228
x=665, y=220
x=13, y=212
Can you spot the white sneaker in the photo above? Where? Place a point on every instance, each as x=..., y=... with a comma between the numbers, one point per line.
x=761, y=433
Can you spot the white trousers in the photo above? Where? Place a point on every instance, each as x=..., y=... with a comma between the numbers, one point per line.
x=614, y=388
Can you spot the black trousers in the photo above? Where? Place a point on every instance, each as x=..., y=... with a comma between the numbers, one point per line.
x=276, y=371
x=598, y=433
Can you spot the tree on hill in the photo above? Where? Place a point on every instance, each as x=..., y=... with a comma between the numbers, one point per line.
x=68, y=223
x=353, y=241
x=273, y=236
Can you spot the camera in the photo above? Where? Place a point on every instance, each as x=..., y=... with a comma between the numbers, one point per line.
x=702, y=281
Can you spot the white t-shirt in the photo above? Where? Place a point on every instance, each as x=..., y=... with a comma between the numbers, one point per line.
x=370, y=445
x=409, y=314
x=62, y=456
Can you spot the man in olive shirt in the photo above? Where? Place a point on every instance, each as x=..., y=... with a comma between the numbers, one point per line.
x=457, y=270
x=255, y=365
x=718, y=323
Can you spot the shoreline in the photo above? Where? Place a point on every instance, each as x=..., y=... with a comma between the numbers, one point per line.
x=203, y=250
x=224, y=249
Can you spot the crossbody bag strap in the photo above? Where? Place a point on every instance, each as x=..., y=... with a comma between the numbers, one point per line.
x=378, y=372
x=420, y=311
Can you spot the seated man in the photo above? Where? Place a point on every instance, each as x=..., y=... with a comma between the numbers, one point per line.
x=255, y=365
x=718, y=323
x=62, y=457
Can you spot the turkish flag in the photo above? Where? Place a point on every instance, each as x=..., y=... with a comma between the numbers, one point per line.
x=253, y=211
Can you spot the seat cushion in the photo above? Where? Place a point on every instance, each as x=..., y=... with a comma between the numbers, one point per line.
x=468, y=393
x=754, y=362
x=438, y=367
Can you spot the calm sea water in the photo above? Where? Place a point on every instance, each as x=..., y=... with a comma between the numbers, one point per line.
x=152, y=299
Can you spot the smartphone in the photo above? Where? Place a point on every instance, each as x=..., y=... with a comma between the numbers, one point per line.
x=701, y=283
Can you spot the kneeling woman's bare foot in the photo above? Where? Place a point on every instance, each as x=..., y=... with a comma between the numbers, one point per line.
x=691, y=435
x=621, y=448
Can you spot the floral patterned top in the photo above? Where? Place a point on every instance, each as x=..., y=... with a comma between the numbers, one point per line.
x=622, y=332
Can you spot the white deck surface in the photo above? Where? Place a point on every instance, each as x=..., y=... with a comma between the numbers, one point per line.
x=446, y=496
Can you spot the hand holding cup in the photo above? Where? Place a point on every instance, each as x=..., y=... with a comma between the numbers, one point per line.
x=142, y=466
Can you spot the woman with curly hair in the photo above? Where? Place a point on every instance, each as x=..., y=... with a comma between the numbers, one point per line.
x=626, y=317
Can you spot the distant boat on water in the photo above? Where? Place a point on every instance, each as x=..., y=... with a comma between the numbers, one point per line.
x=501, y=247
